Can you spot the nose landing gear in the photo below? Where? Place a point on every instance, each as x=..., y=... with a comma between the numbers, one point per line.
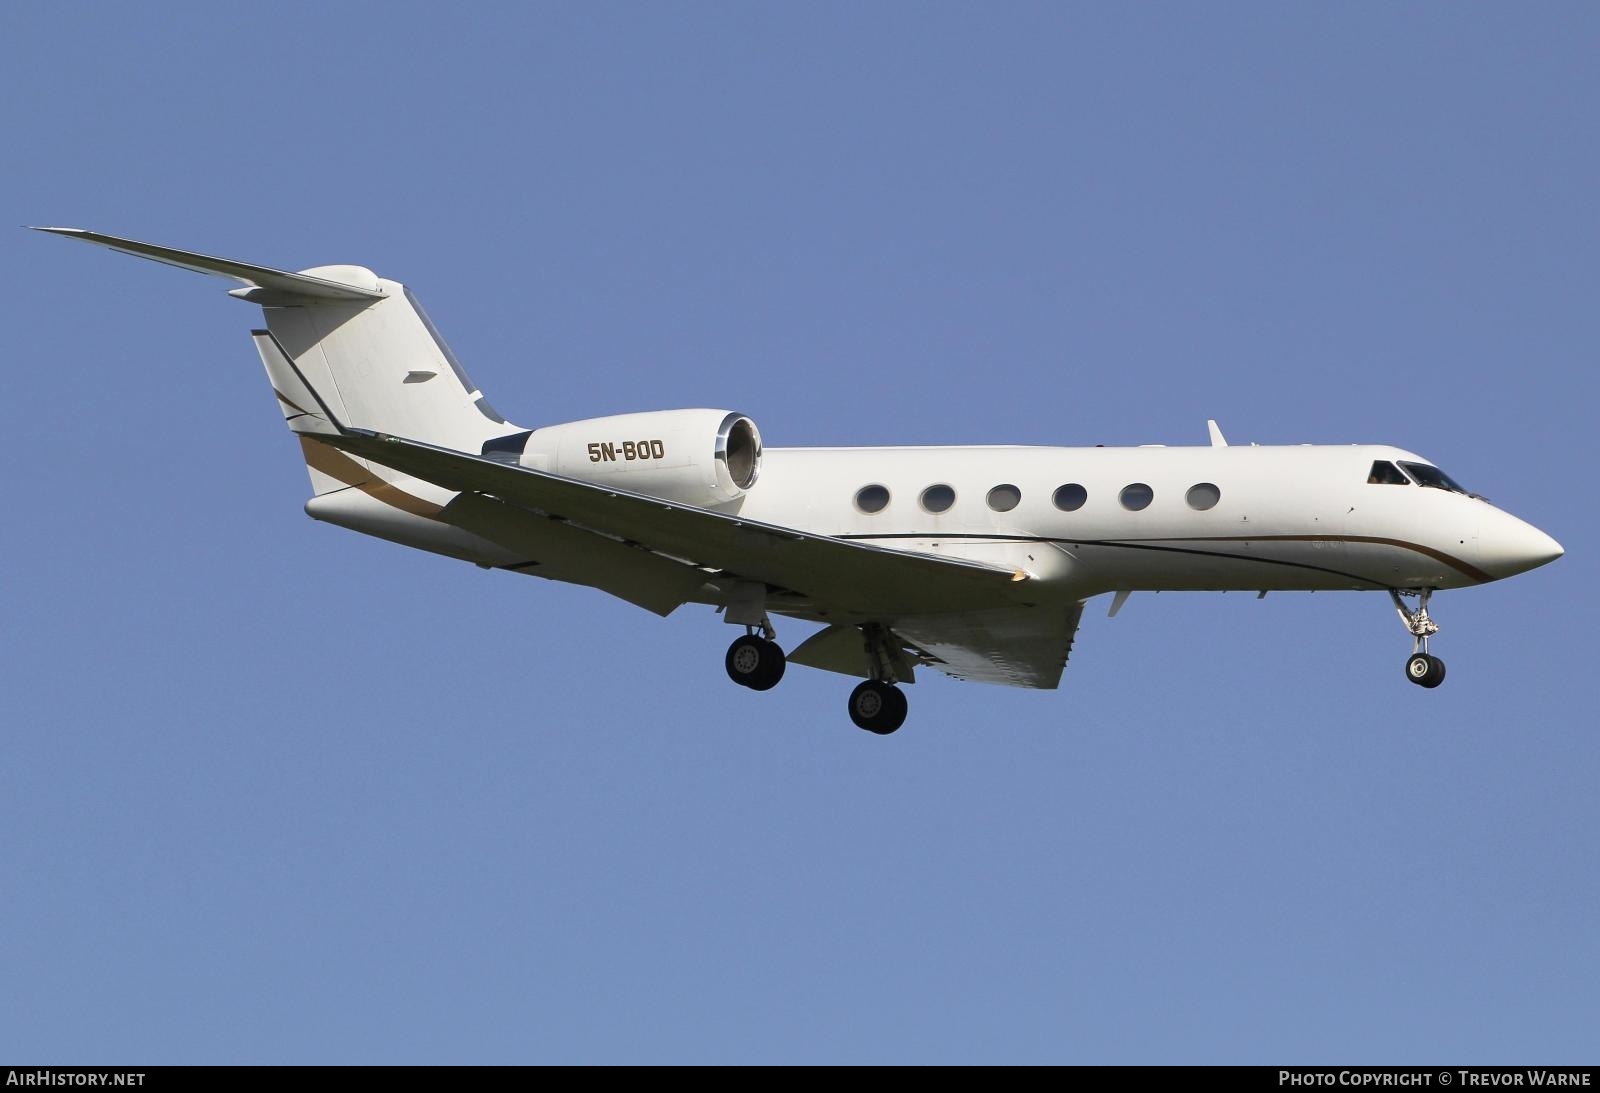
x=1422, y=668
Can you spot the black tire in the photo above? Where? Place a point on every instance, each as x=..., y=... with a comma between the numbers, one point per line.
x=877, y=707
x=1436, y=677
x=895, y=713
x=1425, y=670
x=755, y=663
x=1419, y=669
x=773, y=665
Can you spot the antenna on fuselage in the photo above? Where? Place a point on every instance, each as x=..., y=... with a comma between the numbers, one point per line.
x=1217, y=439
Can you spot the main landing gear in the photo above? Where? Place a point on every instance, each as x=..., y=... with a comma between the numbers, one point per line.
x=756, y=661
x=1422, y=668
x=878, y=707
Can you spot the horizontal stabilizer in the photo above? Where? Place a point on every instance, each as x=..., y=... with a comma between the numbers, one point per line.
x=283, y=286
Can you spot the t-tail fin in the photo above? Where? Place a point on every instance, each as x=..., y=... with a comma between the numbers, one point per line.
x=345, y=348
x=380, y=365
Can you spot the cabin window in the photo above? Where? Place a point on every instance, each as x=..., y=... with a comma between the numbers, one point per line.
x=1137, y=496
x=1385, y=473
x=938, y=498
x=1005, y=498
x=1432, y=477
x=870, y=499
x=1202, y=496
x=1070, y=498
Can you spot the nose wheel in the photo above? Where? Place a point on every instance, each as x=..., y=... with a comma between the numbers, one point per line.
x=1422, y=668
x=1425, y=670
x=755, y=662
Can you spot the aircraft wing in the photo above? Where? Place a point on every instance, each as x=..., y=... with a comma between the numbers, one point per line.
x=847, y=580
x=1012, y=646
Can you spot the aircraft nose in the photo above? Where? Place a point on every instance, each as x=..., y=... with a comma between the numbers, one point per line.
x=1508, y=546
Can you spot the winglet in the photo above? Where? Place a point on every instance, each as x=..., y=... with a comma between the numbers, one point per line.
x=261, y=283
x=1217, y=439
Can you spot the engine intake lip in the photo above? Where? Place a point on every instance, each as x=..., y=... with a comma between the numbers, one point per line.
x=739, y=450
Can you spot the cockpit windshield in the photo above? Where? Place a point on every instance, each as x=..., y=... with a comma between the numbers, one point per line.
x=1432, y=477
x=1385, y=473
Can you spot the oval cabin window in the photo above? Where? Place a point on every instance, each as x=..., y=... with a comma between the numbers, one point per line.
x=870, y=499
x=1005, y=498
x=1203, y=495
x=1070, y=498
x=938, y=498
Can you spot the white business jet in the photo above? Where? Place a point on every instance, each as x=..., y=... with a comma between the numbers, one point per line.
x=976, y=561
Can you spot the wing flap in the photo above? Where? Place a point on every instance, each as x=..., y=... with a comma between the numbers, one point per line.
x=1014, y=647
x=568, y=553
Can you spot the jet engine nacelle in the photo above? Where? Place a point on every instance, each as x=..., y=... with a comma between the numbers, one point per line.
x=699, y=457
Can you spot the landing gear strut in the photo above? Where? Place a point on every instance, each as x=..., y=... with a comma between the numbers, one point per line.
x=878, y=705
x=1422, y=668
x=755, y=662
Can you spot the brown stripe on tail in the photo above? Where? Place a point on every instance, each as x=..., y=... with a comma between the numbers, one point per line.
x=289, y=402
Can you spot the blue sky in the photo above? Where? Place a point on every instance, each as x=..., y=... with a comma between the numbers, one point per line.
x=272, y=792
